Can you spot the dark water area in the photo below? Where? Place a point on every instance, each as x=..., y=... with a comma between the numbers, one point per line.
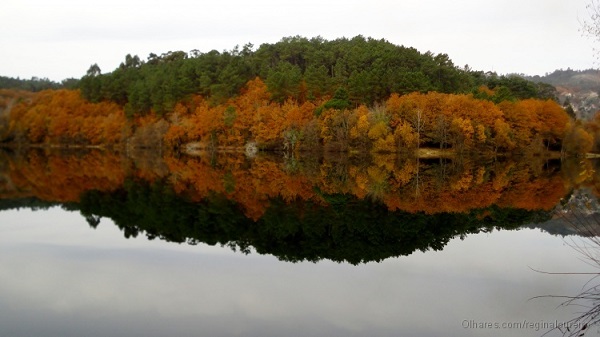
x=143, y=244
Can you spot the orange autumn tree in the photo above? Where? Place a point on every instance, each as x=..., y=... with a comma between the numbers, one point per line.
x=8, y=99
x=409, y=110
x=380, y=132
x=536, y=122
x=268, y=125
x=480, y=114
x=548, y=120
x=463, y=121
x=64, y=117
x=254, y=96
x=248, y=117
x=359, y=130
x=577, y=139
x=501, y=136
x=204, y=125
x=403, y=123
x=295, y=120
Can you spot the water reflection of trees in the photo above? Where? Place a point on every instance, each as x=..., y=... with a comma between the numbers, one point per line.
x=582, y=213
x=399, y=183
x=430, y=186
x=343, y=208
x=59, y=177
x=344, y=229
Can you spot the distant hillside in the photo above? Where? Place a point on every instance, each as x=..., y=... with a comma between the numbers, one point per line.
x=580, y=88
x=36, y=84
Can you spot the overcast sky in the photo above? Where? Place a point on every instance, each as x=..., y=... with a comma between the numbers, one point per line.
x=62, y=38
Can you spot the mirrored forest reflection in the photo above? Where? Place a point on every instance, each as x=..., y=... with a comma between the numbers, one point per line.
x=352, y=208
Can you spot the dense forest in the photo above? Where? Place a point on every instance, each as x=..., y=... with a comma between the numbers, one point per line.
x=299, y=94
x=299, y=68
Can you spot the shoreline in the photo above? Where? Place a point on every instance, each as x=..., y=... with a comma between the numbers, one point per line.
x=199, y=149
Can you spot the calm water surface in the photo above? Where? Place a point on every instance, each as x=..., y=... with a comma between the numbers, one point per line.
x=325, y=246
x=59, y=277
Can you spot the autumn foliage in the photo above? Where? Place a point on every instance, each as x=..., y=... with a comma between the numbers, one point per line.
x=404, y=184
x=61, y=178
x=456, y=122
x=402, y=123
x=64, y=117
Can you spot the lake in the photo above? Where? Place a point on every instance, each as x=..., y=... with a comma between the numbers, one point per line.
x=104, y=244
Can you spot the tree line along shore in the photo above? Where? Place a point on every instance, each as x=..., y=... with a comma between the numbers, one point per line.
x=298, y=94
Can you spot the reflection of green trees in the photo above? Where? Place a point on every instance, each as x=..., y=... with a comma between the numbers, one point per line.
x=335, y=207
x=32, y=203
x=347, y=229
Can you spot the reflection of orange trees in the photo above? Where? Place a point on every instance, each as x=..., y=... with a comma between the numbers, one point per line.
x=250, y=184
x=63, y=178
x=542, y=193
x=420, y=189
x=401, y=184
x=413, y=186
x=431, y=188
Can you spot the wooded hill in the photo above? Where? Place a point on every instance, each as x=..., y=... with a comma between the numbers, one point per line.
x=576, y=89
x=299, y=68
x=301, y=93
